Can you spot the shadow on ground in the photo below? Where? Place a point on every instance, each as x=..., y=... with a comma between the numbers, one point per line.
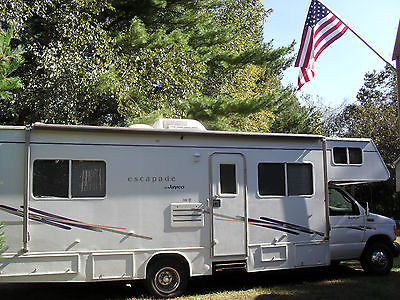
x=279, y=284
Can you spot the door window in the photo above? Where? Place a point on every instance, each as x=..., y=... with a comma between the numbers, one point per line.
x=340, y=204
x=227, y=178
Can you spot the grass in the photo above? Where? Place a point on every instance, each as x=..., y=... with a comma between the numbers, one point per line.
x=346, y=280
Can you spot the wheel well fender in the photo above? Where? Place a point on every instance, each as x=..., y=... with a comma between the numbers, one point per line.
x=384, y=239
x=176, y=256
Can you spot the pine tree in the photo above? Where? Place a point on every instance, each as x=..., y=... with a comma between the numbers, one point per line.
x=235, y=81
x=115, y=62
x=10, y=60
x=374, y=115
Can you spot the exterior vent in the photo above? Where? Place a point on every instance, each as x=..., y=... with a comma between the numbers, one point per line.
x=187, y=215
x=186, y=124
x=235, y=265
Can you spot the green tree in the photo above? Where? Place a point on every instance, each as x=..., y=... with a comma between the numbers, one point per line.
x=115, y=62
x=10, y=60
x=237, y=84
x=374, y=115
x=66, y=51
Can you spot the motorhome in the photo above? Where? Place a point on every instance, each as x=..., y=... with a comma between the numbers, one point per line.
x=163, y=203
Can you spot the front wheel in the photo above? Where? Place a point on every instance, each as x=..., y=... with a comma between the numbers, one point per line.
x=377, y=259
x=167, y=278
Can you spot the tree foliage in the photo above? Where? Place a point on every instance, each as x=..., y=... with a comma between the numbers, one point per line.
x=10, y=60
x=116, y=62
x=374, y=115
x=66, y=51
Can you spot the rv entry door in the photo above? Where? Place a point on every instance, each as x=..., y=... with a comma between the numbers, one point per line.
x=228, y=201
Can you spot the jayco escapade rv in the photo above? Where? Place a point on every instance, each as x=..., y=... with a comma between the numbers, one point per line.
x=163, y=203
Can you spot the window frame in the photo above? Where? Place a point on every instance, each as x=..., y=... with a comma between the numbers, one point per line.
x=347, y=156
x=70, y=197
x=286, y=188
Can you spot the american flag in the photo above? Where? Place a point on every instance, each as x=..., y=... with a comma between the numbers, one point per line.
x=322, y=28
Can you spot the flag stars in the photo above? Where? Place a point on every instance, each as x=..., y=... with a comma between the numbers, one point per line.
x=316, y=13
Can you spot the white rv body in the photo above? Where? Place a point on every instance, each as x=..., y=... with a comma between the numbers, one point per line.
x=134, y=196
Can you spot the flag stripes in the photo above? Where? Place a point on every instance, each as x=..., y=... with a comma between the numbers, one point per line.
x=322, y=28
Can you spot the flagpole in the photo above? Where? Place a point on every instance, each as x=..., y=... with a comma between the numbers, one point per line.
x=358, y=36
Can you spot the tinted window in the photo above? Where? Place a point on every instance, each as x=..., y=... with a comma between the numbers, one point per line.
x=343, y=155
x=50, y=178
x=300, y=180
x=340, y=155
x=355, y=156
x=88, y=179
x=227, y=177
x=271, y=179
x=340, y=205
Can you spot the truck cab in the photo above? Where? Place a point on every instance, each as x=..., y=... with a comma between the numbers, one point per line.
x=357, y=234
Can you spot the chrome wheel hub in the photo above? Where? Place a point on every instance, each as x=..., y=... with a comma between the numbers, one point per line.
x=379, y=259
x=167, y=280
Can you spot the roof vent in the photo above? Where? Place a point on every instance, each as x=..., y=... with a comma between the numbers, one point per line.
x=186, y=124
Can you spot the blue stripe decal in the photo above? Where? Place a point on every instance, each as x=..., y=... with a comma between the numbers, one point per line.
x=292, y=226
x=37, y=218
x=11, y=142
x=271, y=224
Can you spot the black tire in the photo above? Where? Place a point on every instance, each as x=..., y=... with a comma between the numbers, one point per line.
x=167, y=278
x=335, y=263
x=377, y=259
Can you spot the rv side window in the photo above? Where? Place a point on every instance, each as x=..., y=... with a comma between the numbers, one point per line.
x=227, y=178
x=271, y=179
x=88, y=179
x=285, y=179
x=300, y=180
x=345, y=156
x=50, y=178
x=69, y=179
x=340, y=155
x=355, y=156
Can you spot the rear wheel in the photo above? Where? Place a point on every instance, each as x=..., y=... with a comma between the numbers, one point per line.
x=335, y=263
x=167, y=278
x=377, y=259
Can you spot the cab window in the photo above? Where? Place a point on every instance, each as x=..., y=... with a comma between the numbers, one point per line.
x=340, y=204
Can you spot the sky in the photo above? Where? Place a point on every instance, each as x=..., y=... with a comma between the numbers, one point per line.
x=341, y=67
